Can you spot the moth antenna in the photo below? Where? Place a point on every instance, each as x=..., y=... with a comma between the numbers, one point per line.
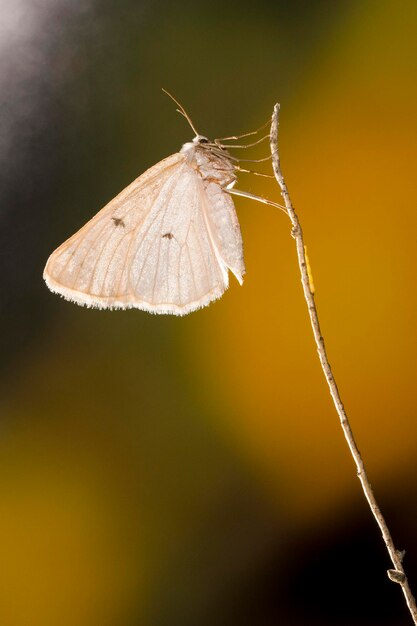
x=182, y=111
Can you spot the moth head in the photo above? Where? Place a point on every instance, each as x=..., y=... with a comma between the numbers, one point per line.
x=200, y=139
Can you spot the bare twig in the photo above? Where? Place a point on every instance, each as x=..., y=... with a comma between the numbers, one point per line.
x=397, y=574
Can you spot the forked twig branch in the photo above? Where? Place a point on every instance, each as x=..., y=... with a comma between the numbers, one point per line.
x=397, y=574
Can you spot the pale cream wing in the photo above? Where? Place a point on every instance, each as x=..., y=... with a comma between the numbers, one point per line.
x=151, y=248
x=177, y=267
x=87, y=267
x=225, y=228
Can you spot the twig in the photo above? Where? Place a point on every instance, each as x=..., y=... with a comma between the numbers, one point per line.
x=397, y=574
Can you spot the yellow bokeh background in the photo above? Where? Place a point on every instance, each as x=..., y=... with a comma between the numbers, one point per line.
x=349, y=157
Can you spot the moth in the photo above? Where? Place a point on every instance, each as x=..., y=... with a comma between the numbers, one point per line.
x=165, y=244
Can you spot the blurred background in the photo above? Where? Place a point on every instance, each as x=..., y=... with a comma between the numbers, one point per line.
x=158, y=471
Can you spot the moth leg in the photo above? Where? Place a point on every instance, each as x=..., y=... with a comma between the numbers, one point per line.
x=247, y=145
x=237, y=168
x=253, y=132
x=247, y=194
x=245, y=171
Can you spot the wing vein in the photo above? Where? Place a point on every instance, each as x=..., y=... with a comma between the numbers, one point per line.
x=174, y=183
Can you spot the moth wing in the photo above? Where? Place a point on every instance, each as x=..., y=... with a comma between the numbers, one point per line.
x=178, y=266
x=225, y=228
x=154, y=247
x=86, y=267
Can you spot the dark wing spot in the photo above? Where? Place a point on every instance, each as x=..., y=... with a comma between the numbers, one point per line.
x=167, y=236
x=118, y=221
